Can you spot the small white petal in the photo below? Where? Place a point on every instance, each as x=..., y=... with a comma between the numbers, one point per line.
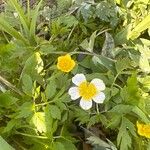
x=78, y=78
x=99, y=98
x=74, y=93
x=99, y=84
x=85, y=104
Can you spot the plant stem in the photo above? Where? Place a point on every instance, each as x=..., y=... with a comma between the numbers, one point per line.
x=34, y=136
x=7, y=83
x=97, y=108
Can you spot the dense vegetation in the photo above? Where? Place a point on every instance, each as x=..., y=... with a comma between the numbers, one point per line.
x=103, y=40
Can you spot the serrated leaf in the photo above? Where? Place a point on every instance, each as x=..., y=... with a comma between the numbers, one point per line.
x=34, y=66
x=130, y=126
x=121, y=109
x=27, y=84
x=25, y=110
x=96, y=119
x=126, y=109
x=140, y=114
x=115, y=121
x=55, y=112
x=81, y=116
x=7, y=100
x=69, y=20
x=50, y=89
x=47, y=49
x=48, y=122
x=124, y=140
x=38, y=120
x=122, y=64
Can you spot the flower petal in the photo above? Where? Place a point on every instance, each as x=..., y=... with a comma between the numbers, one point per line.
x=99, y=84
x=99, y=98
x=74, y=93
x=78, y=78
x=85, y=104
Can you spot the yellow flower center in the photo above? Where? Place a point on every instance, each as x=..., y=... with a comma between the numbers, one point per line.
x=87, y=90
x=65, y=63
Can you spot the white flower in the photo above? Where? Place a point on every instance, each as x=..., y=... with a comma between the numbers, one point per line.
x=87, y=91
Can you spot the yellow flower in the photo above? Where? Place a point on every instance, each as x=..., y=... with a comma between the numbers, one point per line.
x=88, y=91
x=65, y=63
x=143, y=129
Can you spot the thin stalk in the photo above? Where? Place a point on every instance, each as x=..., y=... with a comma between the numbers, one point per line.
x=7, y=83
x=97, y=108
x=33, y=136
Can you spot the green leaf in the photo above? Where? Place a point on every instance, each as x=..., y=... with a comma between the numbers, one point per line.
x=121, y=37
x=115, y=121
x=144, y=64
x=108, y=46
x=34, y=19
x=132, y=88
x=127, y=109
x=34, y=67
x=122, y=64
x=106, y=11
x=69, y=20
x=55, y=112
x=4, y=145
x=10, y=125
x=91, y=42
x=67, y=143
x=85, y=44
x=104, y=61
x=58, y=146
x=89, y=45
x=140, y=114
x=81, y=116
x=25, y=110
x=121, y=109
x=23, y=18
x=48, y=122
x=47, y=49
x=38, y=120
x=5, y=26
x=145, y=81
x=144, y=58
x=143, y=25
x=27, y=84
x=130, y=126
x=124, y=140
x=97, y=119
x=7, y=100
x=145, y=42
x=50, y=89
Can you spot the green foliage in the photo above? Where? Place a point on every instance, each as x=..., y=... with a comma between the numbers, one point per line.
x=5, y=145
x=108, y=39
x=124, y=139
